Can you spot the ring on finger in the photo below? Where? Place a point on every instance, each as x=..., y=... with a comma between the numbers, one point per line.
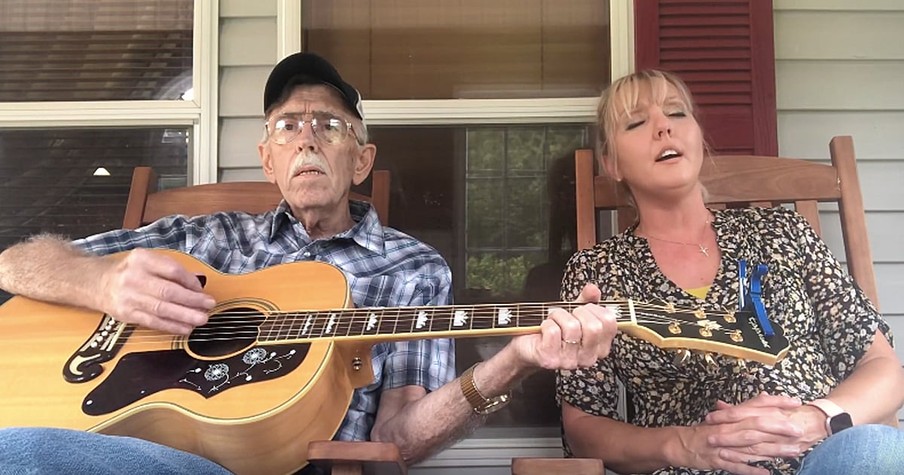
x=571, y=342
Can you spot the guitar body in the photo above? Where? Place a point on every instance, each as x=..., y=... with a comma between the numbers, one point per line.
x=249, y=406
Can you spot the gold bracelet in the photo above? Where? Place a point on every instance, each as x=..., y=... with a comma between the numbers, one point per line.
x=479, y=403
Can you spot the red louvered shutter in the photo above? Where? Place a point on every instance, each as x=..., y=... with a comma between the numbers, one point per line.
x=725, y=52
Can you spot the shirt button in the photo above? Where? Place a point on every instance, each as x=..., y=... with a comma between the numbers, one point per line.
x=307, y=253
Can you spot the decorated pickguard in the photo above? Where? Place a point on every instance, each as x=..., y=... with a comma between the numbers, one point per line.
x=138, y=375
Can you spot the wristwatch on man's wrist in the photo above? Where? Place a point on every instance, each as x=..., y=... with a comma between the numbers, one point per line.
x=481, y=405
x=836, y=418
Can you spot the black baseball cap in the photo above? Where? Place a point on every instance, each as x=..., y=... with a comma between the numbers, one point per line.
x=308, y=68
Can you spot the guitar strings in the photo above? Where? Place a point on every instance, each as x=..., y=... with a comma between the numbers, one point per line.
x=257, y=327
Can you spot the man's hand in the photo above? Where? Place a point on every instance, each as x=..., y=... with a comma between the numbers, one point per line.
x=570, y=340
x=154, y=291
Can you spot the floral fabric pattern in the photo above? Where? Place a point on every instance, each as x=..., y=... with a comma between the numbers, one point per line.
x=827, y=319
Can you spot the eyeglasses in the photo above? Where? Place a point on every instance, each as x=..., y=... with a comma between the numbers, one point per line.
x=325, y=126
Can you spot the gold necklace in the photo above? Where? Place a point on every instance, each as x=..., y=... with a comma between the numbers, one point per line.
x=703, y=249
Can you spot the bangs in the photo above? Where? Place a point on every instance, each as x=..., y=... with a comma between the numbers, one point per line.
x=625, y=95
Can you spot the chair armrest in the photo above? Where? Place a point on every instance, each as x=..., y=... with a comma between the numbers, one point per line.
x=353, y=458
x=544, y=466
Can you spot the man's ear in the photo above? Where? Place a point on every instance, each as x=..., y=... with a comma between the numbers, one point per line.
x=263, y=149
x=364, y=162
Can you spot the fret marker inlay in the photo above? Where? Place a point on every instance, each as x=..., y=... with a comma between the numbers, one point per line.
x=421, y=319
x=371, y=321
x=330, y=323
x=504, y=316
x=459, y=318
x=307, y=325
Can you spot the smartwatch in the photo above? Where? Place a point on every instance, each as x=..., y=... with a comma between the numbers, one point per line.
x=836, y=419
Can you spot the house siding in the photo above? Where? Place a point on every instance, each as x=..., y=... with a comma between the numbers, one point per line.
x=248, y=50
x=839, y=70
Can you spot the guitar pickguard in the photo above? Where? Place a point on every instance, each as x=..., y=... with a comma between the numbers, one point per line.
x=138, y=375
x=101, y=347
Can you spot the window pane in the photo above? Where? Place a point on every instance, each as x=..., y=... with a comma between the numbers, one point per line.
x=498, y=203
x=95, y=50
x=75, y=182
x=410, y=49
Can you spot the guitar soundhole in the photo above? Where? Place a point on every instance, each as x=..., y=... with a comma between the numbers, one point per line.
x=226, y=332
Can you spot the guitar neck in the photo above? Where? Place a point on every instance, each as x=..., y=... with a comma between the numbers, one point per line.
x=408, y=323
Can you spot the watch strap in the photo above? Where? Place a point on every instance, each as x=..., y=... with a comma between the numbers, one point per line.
x=836, y=417
x=479, y=403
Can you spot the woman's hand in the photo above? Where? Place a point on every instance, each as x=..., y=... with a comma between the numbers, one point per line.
x=779, y=426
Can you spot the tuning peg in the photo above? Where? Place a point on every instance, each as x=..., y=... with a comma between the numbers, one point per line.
x=710, y=361
x=681, y=357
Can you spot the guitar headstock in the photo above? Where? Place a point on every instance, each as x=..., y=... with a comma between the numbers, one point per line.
x=732, y=333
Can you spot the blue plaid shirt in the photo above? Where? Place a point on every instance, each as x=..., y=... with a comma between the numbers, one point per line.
x=384, y=267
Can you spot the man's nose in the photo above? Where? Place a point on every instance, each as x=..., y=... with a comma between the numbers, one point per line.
x=306, y=138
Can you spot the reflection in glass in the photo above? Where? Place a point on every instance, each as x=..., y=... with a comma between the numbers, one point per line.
x=463, y=49
x=49, y=180
x=95, y=50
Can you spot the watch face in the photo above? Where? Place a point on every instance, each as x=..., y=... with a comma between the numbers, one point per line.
x=840, y=422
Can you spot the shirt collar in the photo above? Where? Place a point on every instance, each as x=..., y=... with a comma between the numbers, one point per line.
x=367, y=231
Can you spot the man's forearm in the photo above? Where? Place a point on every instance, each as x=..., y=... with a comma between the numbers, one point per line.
x=434, y=421
x=48, y=268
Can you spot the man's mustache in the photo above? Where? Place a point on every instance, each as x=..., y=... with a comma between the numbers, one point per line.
x=307, y=158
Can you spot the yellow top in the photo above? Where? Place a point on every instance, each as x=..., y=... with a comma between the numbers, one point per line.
x=699, y=292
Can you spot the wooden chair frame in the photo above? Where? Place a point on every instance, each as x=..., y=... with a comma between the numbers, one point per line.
x=146, y=204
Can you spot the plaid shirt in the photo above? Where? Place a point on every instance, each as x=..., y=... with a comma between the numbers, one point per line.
x=384, y=267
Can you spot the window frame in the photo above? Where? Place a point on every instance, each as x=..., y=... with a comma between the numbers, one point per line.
x=200, y=113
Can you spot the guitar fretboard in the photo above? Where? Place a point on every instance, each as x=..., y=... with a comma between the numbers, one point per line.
x=404, y=322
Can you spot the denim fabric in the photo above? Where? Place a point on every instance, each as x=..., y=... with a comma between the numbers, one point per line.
x=861, y=450
x=43, y=451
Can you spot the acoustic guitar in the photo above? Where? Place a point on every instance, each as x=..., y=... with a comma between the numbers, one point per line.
x=277, y=363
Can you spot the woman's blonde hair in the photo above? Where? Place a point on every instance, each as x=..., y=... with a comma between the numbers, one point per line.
x=621, y=97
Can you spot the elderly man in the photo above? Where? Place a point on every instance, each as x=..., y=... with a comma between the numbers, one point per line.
x=315, y=148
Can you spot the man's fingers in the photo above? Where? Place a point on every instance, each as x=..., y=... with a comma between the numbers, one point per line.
x=599, y=327
x=589, y=294
x=146, y=320
x=173, y=292
x=165, y=267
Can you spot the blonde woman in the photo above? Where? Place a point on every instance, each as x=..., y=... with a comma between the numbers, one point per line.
x=816, y=412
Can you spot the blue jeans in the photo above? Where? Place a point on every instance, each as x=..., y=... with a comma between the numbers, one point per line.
x=868, y=449
x=40, y=451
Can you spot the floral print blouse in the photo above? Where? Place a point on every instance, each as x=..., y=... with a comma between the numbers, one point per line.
x=827, y=319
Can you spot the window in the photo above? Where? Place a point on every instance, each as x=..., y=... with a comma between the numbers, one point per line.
x=89, y=89
x=476, y=109
x=95, y=50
